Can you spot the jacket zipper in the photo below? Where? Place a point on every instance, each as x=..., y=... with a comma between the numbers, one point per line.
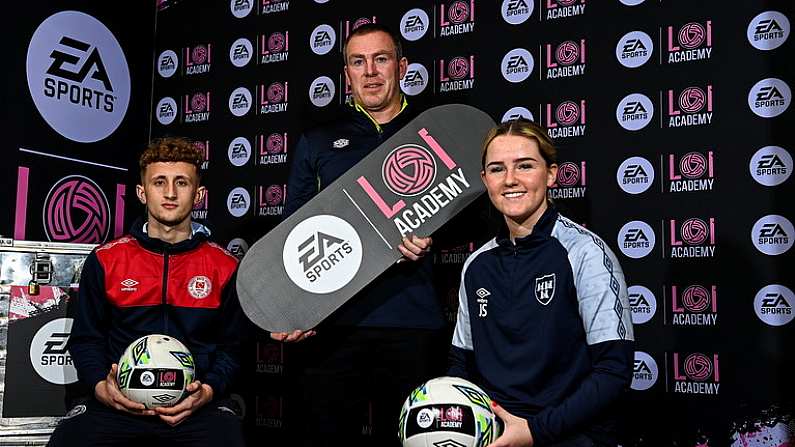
x=164, y=300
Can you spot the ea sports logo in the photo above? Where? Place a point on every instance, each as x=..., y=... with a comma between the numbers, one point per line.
x=634, y=49
x=321, y=91
x=635, y=175
x=769, y=97
x=414, y=24
x=415, y=80
x=167, y=64
x=78, y=77
x=409, y=170
x=644, y=371
x=634, y=112
x=240, y=52
x=643, y=304
x=238, y=202
x=773, y=305
x=517, y=65
x=238, y=247
x=322, y=39
x=772, y=234
x=240, y=101
x=516, y=113
x=771, y=165
x=239, y=151
x=48, y=354
x=200, y=287
x=322, y=254
x=516, y=12
x=636, y=239
x=241, y=8
x=166, y=110
x=76, y=210
x=768, y=30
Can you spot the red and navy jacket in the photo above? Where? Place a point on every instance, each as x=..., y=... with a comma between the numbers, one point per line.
x=137, y=285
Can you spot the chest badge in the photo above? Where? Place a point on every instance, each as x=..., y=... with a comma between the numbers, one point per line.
x=341, y=143
x=545, y=288
x=200, y=287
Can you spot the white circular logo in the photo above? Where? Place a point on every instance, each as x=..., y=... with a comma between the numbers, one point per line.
x=517, y=11
x=167, y=64
x=238, y=247
x=241, y=8
x=768, y=30
x=239, y=151
x=414, y=24
x=322, y=254
x=48, y=353
x=425, y=418
x=240, y=101
x=166, y=111
x=769, y=97
x=78, y=76
x=240, y=52
x=635, y=175
x=517, y=65
x=643, y=304
x=415, y=80
x=321, y=1
x=773, y=304
x=645, y=372
x=238, y=202
x=772, y=234
x=147, y=378
x=322, y=39
x=634, y=49
x=516, y=113
x=634, y=112
x=636, y=239
x=771, y=165
x=321, y=91
x=631, y=2
x=200, y=287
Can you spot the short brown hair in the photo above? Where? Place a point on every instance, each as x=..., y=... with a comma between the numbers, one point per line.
x=369, y=28
x=523, y=128
x=171, y=149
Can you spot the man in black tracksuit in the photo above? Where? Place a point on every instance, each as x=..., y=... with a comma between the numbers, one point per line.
x=386, y=340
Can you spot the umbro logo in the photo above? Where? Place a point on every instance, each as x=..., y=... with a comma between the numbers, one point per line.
x=342, y=142
x=483, y=302
x=482, y=293
x=128, y=285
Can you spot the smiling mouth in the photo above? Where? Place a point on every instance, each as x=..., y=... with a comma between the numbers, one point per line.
x=513, y=194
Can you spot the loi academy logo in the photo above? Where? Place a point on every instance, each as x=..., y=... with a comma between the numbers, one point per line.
x=322, y=254
x=78, y=76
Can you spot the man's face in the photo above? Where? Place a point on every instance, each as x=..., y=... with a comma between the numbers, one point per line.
x=373, y=71
x=169, y=191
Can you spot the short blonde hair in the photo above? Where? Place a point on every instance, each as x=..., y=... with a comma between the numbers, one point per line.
x=523, y=128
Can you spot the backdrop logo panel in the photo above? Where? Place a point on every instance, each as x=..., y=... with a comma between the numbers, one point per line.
x=634, y=49
x=695, y=373
x=241, y=8
x=571, y=181
x=271, y=200
x=643, y=304
x=322, y=91
x=196, y=107
x=240, y=101
x=456, y=17
x=516, y=113
x=48, y=354
x=634, y=112
x=268, y=7
x=768, y=30
x=517, y=65
x=691, y=172
x=238, y=247
x=773, y=305
x=414, y=24
x=204, y=148
x=694, y=305
x=76, y=210
x=691, y=106
x=238, y=201
x=769, y=97
x=632, y=2
x=645, y=372
x=558, y=9
x=167, y=64
x=78, y=77
x=166, y=110
x=566, y=119
x=198, y=59
x=415, y=80
x=272, y=148
x=241, y=52
x=273, y=98
x=517, y=12
x=772, y=234
x=565, y=60
x=201, y=209
x=274, y=47
x=322, y=254
x=456, y=74
x=636, y=239
x=692, y=237
x=689, y=42
x=322, y=39
x=771, y=165
x=635, y=175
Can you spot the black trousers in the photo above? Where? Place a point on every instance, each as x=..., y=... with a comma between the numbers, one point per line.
x=94, y=424
x=344, y=369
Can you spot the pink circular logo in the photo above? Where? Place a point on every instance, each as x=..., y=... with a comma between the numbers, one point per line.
x=695, y=298
x=76, y=210
x=198, y=102
x=360, y=22
x=568, y=174
x=692, y=99
x=409, y=170
x=458, y=68
x=275, y=92
x=275, y=143
x=698, y=366
x=567, y=113
x=567, y=53
x=566, y=2
x=692, y=35
x=274, y=195
x=276, y=42
x=694, y=231
x=693, y=165
x=199, y=54
x=458, y=11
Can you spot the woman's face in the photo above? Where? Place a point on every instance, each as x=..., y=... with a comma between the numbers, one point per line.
x=517, y=177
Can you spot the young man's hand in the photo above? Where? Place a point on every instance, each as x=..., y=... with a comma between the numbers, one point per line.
x=294, y=336
x=200, y=394
x=516, y=432
x=107, y=391
x=415, y=247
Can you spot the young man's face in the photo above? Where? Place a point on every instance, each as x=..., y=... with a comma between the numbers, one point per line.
x=169, y=191
x=373, y=71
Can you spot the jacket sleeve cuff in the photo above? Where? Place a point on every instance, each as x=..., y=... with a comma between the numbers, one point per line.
x=218, y=385
x=540, y=438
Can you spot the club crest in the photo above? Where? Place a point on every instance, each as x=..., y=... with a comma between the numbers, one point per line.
x=545, y=288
